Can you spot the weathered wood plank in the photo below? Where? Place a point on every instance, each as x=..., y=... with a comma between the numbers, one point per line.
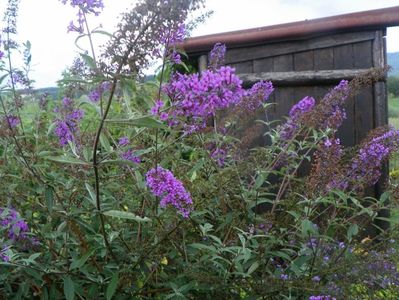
x=363, y=55
x=283, y=63
x=243, y=67
x=303, y=77
x=324, y=59
x=289, y=47
x=264, y=65
x=364, y=117
x=303, y=61
x=347, y=130
x=202, y=63
x=284, y=100
x=343, y=57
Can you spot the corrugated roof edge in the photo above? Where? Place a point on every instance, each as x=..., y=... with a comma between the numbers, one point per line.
x=379, y=18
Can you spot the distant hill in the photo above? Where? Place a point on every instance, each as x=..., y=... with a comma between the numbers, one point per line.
x=51, y=91
x=393, y=61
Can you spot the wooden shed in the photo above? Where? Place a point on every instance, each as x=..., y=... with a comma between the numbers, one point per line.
x=310, y=57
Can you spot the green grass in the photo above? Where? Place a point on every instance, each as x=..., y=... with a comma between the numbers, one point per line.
x=393, y=111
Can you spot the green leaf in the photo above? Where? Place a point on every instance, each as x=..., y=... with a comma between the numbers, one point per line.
x=69, y=288
x=49, y=196
x=3, y=77
x=67, y=160
x=81, y=261
x=147, y=122
x=105, y=142
x=89, y=61
x=111, y=288
x=253, y=268
x=307, y=227
x=126, y=215
x=91, y=193
x=103, y=32
x=352, y=231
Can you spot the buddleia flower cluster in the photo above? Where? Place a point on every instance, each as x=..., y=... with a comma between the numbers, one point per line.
x=165, y=185
x=197, y=97
x=67, y=123
x=296, y=118
x=96, y=94
x=85, y=7
x=16, y=232
x=365, y=168
x=328, y=114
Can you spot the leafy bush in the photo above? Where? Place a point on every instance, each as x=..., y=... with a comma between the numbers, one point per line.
x=140, y=190
x=393, y=85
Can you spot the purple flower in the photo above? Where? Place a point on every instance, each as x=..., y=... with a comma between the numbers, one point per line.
x=163, y=184
x=216, y=56
x=15, y=226
x=175, y=57
x=173, y=36
x=199, y=97
x=284, y=277
x=331, y=110
x=123, y=141
x=219, y=156
x=1, y=55
x=85, y=7
x=365, y=168
x=257, y=95
x=316, y=278
x=130, y=156
x=163, y=116
x=303, y=106
x=158, y=105
x=96, y=94
x=288, y=129
x=67, y=125
x=12, y=121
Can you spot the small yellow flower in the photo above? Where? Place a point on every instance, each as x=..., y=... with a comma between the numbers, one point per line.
x=164, y=261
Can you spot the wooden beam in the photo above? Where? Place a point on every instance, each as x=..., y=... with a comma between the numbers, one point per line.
x=303, y=77
x=202, y=63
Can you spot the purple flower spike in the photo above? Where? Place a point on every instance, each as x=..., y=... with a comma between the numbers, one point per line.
x=163, y=184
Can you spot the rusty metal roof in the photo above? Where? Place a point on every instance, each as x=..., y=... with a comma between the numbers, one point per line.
x=372, y=19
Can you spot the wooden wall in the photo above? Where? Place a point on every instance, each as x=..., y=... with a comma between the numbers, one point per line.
x=311, y=67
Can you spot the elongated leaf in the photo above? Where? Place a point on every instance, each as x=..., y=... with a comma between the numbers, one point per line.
x=111, y=288
x=49, y=195
x=252, y=268
x=352, y=231
x=81, y=261
x=67, y=160
x=69, y=288
x=105, y=142
x=91, y=193
x=126, y=215
x=102, y=32
x=147, y=122
x=89, y=61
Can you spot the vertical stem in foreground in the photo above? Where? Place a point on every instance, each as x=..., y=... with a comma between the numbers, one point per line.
x=95, y=166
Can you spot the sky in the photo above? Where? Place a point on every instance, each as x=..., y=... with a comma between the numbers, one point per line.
x=44, y=23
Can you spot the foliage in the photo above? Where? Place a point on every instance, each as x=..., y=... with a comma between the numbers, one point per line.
x=393, y=85
x=149, y=190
